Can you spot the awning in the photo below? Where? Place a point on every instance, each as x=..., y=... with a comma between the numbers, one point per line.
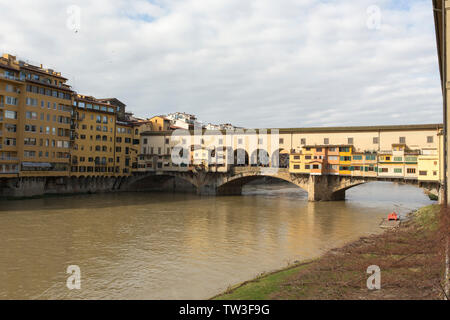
x=36, y=165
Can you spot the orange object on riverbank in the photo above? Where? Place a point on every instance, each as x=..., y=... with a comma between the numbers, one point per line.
x=393, y=217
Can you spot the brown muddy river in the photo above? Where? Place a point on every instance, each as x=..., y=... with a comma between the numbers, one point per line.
x=177, y=246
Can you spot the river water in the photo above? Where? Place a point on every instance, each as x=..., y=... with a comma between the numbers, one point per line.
x=177, y=246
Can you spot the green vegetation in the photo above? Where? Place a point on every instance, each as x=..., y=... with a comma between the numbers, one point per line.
x=408, y=258
x=261, y=287
x=427, y=217
x=433, y=197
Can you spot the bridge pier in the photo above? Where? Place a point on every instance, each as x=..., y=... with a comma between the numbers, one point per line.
x=320, y=188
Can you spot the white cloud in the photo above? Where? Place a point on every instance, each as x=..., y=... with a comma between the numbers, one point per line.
x=258, y=63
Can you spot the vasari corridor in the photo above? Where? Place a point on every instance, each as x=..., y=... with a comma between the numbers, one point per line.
x=250, y=151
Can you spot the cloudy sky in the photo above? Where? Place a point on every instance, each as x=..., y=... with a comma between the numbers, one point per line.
x=255, y=63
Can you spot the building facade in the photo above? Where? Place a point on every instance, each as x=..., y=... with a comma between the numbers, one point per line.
x=35, y=120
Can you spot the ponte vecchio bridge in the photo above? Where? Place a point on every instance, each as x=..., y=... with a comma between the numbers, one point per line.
x=325, y=162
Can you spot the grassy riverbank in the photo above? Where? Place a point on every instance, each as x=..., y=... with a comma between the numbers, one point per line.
x=408, y=257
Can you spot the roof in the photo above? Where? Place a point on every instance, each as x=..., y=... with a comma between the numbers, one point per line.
x=411, y=127
x=163, y=117
x=328, y=146
x=113, y=101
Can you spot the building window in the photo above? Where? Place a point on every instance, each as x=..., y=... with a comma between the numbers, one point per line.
x=423, y=173
x=296, y=166
x=303, y=141
x=350, y=140
x=430, y=139
x=397, y=170
x=375, y=140
x=411, y=170
x=281, y=140
x=326, y=141
x=402, y=140
x=11, y=100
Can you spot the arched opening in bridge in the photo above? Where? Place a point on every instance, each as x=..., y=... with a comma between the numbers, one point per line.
x=241, y=158
x=401, y=197
x=280, y=159
x=261, y=184
x=260, y=158
x=162, y=183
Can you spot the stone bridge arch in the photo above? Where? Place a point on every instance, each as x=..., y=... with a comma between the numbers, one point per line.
x=160, y=181
x=232, y=184
x=204, y=182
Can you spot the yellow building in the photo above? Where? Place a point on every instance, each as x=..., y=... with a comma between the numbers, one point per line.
x=428, y=165
x=296, y=164
x=35, y=106
x=93, y=148
x=103, y=146
x=345, y=159
x=126, y=149
x=159, y=123
x=301, y=162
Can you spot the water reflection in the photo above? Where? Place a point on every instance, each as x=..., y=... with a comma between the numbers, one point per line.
x=177, y=246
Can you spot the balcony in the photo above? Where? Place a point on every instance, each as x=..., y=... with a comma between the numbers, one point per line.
x=13, y=78
x=9, y=158
x=100, y=163
x=9, y=171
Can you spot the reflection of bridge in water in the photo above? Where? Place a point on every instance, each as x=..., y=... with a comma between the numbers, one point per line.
x=214, y=182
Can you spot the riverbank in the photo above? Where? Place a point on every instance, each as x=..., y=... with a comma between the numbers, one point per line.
x=408, y=257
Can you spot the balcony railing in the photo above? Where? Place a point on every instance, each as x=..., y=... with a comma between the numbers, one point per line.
x=2, y=75
x=9, y=172
x=9, y=158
